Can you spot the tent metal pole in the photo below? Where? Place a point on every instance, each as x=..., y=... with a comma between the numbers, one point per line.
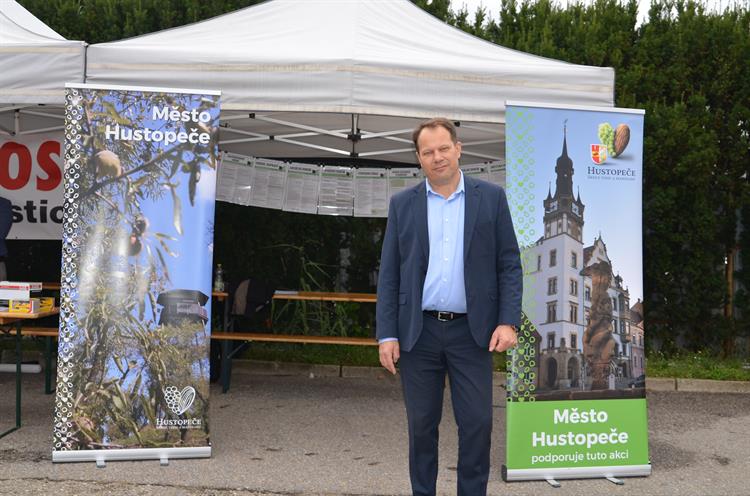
x=243, y=140
x=42, y=114
x=12, y=107
x=386, y=152
x=481, y=155
x=479, y=128
x=355, y=135
x=302, y=126
x=369, y=135
x=483, y=142
x=245, y=133
x=310, y=145
x=41, y=130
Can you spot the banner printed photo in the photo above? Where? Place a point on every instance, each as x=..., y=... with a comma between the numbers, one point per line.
x=140, y=181
x=574, y=187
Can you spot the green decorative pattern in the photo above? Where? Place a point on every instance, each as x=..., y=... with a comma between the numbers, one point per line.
x=520, y=170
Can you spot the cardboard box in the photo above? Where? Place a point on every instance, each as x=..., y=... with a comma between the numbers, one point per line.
x=10, y=290
x=31, y=305
x=46, y=303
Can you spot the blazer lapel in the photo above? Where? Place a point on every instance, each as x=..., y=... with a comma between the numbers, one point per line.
x=471, y=211
x=420, y=218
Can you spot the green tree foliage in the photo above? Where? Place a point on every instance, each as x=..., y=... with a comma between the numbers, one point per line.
x=688, y=69
x=686, y=66
x=97, y=21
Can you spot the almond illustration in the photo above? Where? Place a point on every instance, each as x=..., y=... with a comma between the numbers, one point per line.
x=622, y=137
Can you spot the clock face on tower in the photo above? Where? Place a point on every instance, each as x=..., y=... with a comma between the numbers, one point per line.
x=575, y=209
x=553, y=206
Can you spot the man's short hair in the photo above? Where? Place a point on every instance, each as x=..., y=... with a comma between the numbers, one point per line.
x=432, y=124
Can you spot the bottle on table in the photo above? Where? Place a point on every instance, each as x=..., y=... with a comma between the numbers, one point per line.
x=219, y=279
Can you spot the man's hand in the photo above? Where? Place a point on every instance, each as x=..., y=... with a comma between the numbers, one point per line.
x=389, y=355
x=502, y=339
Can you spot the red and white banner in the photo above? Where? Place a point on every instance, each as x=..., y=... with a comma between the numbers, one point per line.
x=31, y=178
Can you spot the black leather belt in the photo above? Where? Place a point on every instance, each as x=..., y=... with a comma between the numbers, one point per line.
x=444, y=316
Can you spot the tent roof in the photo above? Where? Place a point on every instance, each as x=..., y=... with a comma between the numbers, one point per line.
x=385, y=57
x=35, y=61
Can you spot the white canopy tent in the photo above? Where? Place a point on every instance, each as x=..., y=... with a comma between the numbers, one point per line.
x=345, y=78
x=35, y=64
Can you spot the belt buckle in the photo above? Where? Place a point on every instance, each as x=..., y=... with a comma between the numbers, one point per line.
x=445, y=316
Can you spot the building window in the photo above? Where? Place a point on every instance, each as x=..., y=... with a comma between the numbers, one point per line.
x=587, y=293
x=553, y=258
x=547, y=230
x=552, y=285
x=550, y=340
x=574, y=340
x=614, y=304
x=538, y=263
x=587, y=316
x=573, y=287
x=573, y=313
x=562, y=342
x=614, y=325
x=622, y=327
x=574, y=260
x=552, y=312
x=617, y=349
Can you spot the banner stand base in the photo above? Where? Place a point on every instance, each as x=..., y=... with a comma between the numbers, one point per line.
x=102, y=456
x=552, y=482
x=551, y=475
x=615, y=480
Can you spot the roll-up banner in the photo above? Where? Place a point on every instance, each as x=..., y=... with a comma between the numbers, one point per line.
x=133, y=367
x=576, y=386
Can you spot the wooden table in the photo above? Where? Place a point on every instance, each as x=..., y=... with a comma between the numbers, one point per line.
x=226, y=338
x=7, y=320
x=323, y=296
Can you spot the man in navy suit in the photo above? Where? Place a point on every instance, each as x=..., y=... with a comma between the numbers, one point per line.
x=449, y=294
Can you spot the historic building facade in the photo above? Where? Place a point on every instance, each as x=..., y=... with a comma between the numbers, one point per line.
x=558, y=300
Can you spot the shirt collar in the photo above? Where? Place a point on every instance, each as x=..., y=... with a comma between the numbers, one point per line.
x=459, y=189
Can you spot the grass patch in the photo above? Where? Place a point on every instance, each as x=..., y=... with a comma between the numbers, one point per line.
x=327, y=354
x=697, y=366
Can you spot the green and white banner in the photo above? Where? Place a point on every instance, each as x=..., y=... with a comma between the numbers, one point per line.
x=576, y=384
x=133, y=368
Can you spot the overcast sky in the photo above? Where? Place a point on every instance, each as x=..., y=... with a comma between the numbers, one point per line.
x=493, y=6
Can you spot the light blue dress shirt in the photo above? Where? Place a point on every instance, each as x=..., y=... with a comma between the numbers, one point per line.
x=444, y=287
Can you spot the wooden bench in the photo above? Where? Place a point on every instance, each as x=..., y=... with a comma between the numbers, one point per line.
x=293, y=338
x=51, y=332
x=227, y=353
x=226, y=338
x=48, y=333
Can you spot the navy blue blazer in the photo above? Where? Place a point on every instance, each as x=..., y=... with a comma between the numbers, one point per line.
x=493, y=276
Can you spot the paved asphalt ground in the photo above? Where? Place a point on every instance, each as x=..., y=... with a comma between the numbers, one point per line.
x=297, y=434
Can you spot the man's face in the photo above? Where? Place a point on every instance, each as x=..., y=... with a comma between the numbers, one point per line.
x=438, y=156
